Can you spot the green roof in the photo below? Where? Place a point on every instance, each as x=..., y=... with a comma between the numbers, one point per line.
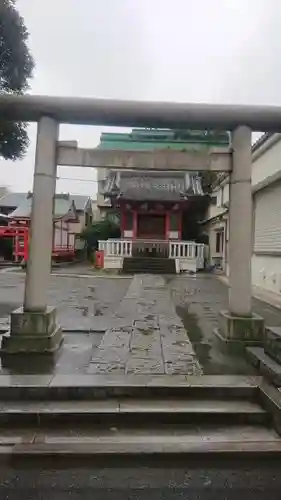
x=146, y=139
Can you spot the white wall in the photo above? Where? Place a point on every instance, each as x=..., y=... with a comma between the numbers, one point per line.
x=60, y=237
x=266, y=272
x=77, y=227
x=266, y=170
x=113, y=262
x=266, y=260
x=267, y=165
x=267, y=219
x=102, y=175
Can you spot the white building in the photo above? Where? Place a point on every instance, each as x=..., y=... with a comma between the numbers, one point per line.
x=266, y=185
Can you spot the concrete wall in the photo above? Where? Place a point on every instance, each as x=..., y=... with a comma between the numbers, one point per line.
x=113, y=263
x=266, y=183
x=186, y=265
x=101, y=201
x=60, y=235
x=266, y=260
x=213, y=228
x=95, y=211
x=266, y=175
x=77, y=227
x=266, y=162
x=266, y=272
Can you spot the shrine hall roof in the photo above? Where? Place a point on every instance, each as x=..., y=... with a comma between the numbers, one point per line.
x=149, y=186
x=64, y=205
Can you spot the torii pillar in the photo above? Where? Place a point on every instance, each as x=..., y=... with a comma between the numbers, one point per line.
x=239, y=323
x=33, y=326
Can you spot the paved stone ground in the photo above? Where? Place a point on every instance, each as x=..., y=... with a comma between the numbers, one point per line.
x=143, y=335
x=84, y=306
x=152, y=339
x=73, y=358
x=83, y=303
x=201, y=482
x=153, y=325
x=198, y=301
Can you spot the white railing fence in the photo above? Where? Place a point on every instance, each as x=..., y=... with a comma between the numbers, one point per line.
x=187, y=250
x=177, y=250
x=116, y=248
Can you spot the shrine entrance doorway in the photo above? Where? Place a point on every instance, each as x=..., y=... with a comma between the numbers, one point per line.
x=150, y=226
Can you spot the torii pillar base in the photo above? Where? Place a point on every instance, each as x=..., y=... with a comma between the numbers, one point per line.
x=248, y=330
x=32, y=333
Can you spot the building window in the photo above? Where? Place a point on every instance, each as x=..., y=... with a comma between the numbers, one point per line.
x=219, y=241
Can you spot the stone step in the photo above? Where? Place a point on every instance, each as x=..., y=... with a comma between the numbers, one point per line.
x=131, y=412
x=146, y=264
x=186, y=442
x=267, y=366
x=148, y=267
x=149, y=271
x=92, y=387
x=273, y=332
x=272, y=346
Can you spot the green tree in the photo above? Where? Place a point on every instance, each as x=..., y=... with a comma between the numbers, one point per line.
x=102, y=230
x=16, y=65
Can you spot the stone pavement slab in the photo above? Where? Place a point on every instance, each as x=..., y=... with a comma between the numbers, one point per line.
x=198, y=301
x=83, y=303
x=152, y=339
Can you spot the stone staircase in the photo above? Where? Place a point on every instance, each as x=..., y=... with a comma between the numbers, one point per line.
x=149, y=265
x=135, y=418
x=267, y=359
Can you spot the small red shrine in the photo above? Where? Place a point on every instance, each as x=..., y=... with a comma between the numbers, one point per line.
x=151, y=204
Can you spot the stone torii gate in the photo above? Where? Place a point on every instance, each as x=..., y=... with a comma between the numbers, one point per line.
x=33, y=326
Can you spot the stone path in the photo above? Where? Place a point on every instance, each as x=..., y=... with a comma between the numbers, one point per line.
x=198, y=301
x=152, y=338
x=83, y=303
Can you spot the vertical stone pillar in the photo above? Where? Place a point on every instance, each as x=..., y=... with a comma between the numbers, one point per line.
x=240, y=224
x=40, y=246
x=33, y=326
x=239, y=323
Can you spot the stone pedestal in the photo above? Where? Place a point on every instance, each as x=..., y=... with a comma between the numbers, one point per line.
x=249, y=330
x=32, y=333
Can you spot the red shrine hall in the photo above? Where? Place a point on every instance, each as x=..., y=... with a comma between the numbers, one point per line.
x=151, y=205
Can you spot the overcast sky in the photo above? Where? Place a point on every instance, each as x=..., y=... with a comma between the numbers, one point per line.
x=218, y=51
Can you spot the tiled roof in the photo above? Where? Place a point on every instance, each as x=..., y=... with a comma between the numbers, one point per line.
x=63, y=205
x=80, y=201
x=21, y=202
x=261, y=140
x=11, y=200
x=149, y=186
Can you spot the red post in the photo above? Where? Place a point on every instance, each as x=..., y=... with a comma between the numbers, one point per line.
x=123, y=223
x=26, y=243
x=16, y=246
x=167, y=225
x=135, y=224
x=53, y=237
x=180, y=226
